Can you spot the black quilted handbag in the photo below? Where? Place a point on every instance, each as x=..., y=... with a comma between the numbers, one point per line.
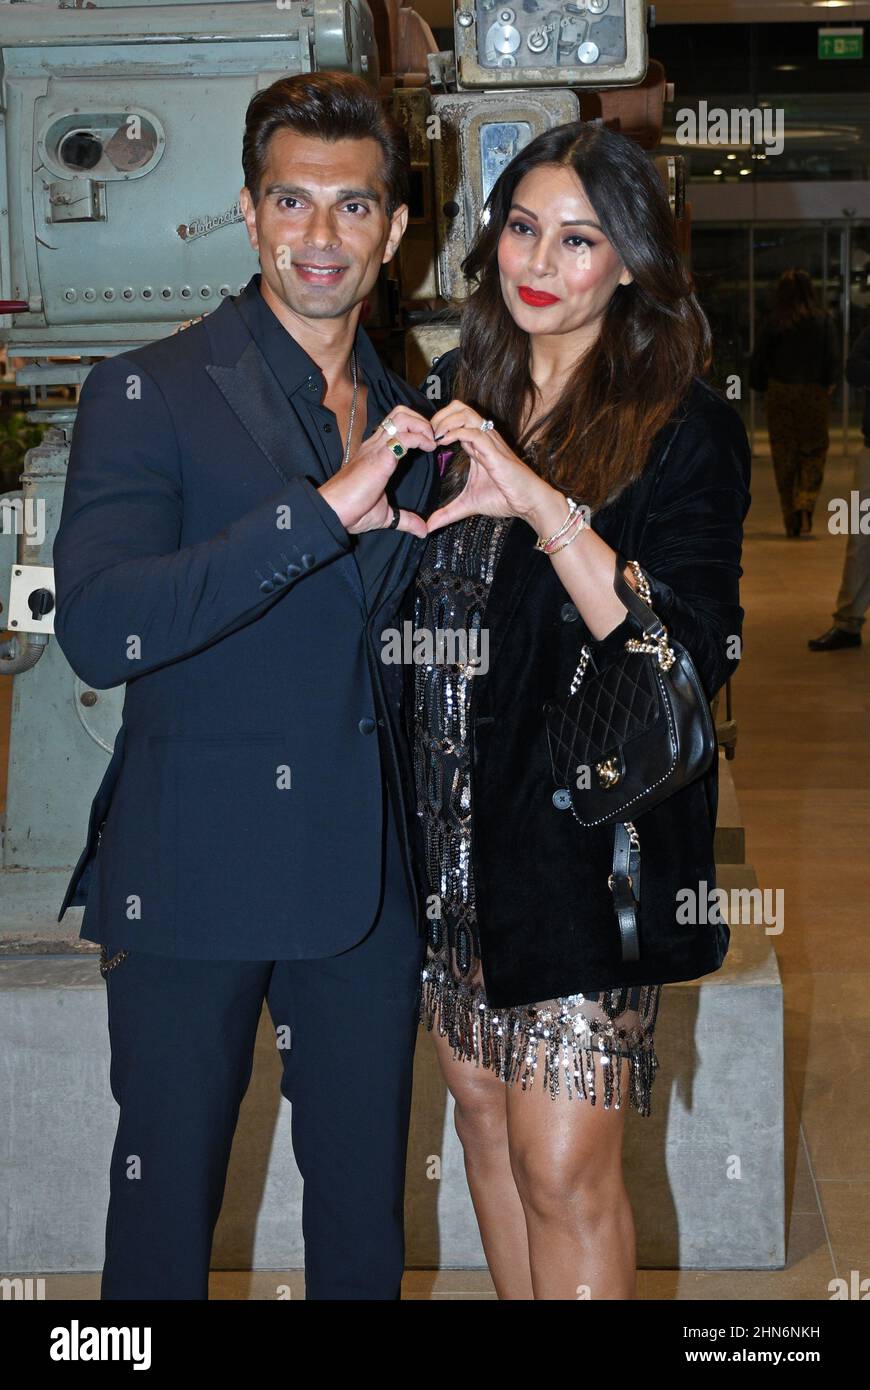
x=628, y=737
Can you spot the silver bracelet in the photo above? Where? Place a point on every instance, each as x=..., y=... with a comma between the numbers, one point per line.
x=541, y=543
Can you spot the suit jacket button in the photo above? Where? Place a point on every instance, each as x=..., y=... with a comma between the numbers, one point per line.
x=570, y=613
x=309, y=560
x=293, y=571
x=367, y=726
x=562, y=799
x=267, y=586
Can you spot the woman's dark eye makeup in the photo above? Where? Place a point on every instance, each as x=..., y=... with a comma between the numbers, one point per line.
x=575, y=236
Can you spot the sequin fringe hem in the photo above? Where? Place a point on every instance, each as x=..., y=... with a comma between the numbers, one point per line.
x=507, y=1041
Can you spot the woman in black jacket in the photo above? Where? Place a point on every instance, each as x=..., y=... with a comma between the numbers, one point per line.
x=797, y=364
x=581, y=345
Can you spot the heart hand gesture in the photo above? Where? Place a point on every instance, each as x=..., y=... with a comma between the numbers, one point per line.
x=498, y=483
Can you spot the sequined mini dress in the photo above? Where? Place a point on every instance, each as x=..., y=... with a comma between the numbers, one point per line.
x=563, y=1035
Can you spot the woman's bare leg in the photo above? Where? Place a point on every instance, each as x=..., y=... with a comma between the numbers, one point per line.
x=566, y=1158
x=481, y=1123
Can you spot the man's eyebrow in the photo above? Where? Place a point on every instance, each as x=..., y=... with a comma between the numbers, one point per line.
x=291, y=189
x=578, y=222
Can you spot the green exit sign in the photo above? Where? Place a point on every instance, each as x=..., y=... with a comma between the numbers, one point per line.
x=841, y=43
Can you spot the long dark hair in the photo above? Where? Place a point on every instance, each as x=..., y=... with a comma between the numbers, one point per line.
x=794, y=298
x=654, y=335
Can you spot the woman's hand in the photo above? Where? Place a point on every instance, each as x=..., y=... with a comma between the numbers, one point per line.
x=357, y=492
x=498, y=483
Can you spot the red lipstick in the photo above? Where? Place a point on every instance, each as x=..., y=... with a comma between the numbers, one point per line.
x=537, y=298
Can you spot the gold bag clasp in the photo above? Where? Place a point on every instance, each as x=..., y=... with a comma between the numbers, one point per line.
x=608, y=773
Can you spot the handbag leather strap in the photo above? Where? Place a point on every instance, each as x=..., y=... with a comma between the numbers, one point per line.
x=625, y=877
x=652, y=625
x=625, y=887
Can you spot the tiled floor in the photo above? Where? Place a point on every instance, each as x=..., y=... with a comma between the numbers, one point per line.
x=803, y=778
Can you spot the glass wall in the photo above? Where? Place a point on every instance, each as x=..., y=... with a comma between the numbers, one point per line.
x=735, y=269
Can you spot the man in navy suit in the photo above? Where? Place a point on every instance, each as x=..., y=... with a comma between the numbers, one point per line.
x=232, y=551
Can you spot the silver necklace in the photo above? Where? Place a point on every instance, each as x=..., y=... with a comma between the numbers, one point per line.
x=352, y=409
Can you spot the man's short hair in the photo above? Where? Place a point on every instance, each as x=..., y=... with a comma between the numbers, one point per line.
x=330, y=106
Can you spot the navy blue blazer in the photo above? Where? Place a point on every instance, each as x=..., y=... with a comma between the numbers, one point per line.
x=240, y=816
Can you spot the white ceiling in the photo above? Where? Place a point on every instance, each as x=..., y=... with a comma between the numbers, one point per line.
x=757, y=12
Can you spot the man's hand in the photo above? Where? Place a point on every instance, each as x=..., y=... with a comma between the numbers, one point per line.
x=357, y=492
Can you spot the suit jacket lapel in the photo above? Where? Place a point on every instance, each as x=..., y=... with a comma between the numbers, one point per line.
x=253, y=394
x=251, y=390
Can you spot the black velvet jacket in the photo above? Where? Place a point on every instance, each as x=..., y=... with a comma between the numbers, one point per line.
x=545, y=913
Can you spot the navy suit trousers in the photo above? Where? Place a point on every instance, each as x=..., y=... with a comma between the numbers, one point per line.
x=182, y=1037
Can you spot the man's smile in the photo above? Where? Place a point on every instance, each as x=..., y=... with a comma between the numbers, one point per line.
x=315, y=274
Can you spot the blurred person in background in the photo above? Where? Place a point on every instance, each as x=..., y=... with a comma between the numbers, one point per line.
x=854, y=596
x=797, y=363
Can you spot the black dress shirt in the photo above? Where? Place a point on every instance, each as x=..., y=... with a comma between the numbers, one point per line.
x=312, y=427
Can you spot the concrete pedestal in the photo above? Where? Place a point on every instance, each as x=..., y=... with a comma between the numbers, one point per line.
x=704, y=1171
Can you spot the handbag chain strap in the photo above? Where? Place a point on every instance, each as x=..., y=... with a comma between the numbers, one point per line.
x=585, y=654
x=642, y=582
x=659, y=647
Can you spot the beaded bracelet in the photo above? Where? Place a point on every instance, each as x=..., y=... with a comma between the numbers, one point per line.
x=541, y=543
x=575, y=514
x=572, y=536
